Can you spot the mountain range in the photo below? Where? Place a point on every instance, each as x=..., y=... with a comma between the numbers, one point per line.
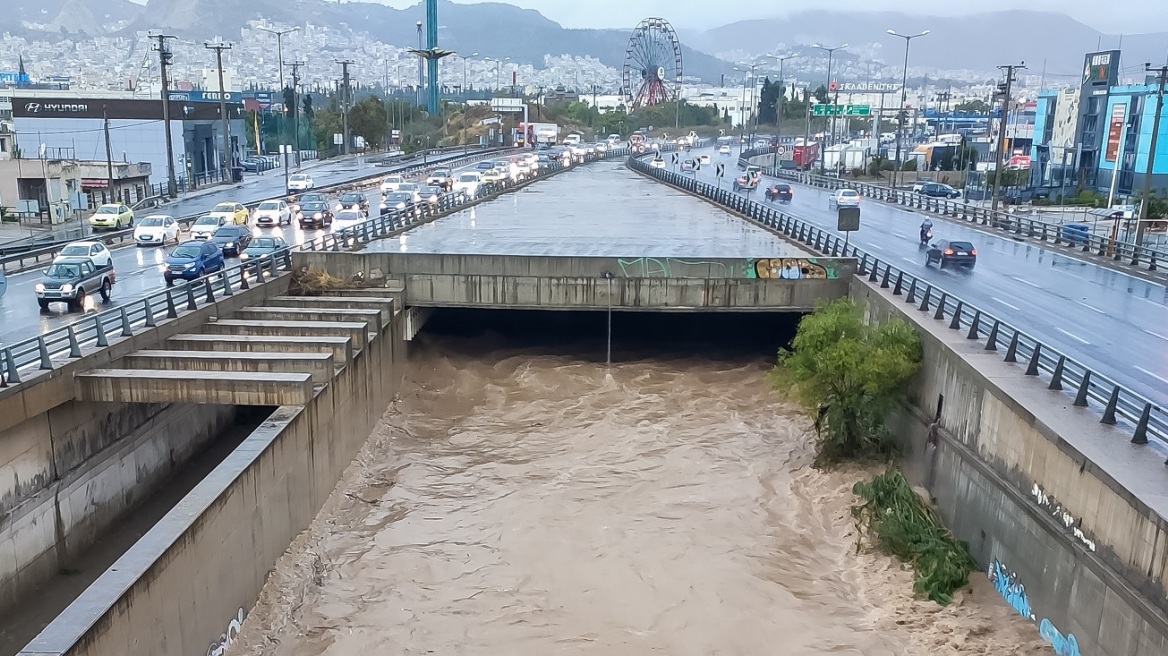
x=979, y=42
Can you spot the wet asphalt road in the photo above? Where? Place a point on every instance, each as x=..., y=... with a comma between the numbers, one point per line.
x=139, y=270
x=1112, y=322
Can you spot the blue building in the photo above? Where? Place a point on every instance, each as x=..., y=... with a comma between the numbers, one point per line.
x=1128, y=139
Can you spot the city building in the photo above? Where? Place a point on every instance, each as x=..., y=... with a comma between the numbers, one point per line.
x=57, y=189
x=65, y=122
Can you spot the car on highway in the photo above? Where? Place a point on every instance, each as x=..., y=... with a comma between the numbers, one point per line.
x=191, y=260
x=232, y=239
x=703, y=159
x=300, y=182
x=68, y=280
x=398, y=201
x=347, y=219
x=314, y=214
x=94, y=250
x=657, y=163
x=780, y=191
x=272, y=212
x=391, y=183
x=352, y=201
x=430, y=194
x=234, y=212
x=689, y=166
x=410, y=188
x=468, y=183
x=205, y=226
x=156, y=230
x=485, y=165
x=938, y=190
x=945, y=253
x=724, y=149
x=748, y=181
x=261, y=246
x=492, y=176
x=443, y=178
x=843, y=198
x=112, y=216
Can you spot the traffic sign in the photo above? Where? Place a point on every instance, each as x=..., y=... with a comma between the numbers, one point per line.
x=857, y=110
x=720, y=170
x=832, y=86
x=674, y=158
x=841, y=110
x=782, y=150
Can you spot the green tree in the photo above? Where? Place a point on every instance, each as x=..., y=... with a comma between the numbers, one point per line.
x=325, y=124
x=289, y=101
x=367, y=119
x=768, y=101
x=1010, y=177
x=974, y=106
x=850, y=375
x=307, y=104
x=821, y=96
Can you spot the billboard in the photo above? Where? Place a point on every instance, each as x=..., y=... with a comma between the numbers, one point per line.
x=115, y=108
x=1101, y=69
x=1066, y=118
x=1115, y=131
x=868, y=87
x=206, y=96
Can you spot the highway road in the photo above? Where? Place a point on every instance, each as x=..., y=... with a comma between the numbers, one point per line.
x=1112, y=322
x=139, y=270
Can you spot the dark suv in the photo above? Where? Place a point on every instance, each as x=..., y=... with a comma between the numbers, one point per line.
x=939, y=190
x=947, y=253
x=780, y=191
x=314, y=214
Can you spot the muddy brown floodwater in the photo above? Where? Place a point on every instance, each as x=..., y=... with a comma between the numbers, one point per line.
x=525, y=503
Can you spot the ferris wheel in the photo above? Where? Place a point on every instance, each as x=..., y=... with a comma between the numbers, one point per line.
x=652, y=64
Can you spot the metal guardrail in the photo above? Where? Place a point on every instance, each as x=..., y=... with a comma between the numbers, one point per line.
x=420, y=161
x=1010, y=222
x=95, y=330
x=1145, y=419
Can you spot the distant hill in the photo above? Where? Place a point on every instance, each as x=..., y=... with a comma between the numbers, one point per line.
x=491, y=29
x=71, y=16
x=978, y=42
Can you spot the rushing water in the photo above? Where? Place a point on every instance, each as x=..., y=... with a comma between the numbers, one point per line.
x=525, y=499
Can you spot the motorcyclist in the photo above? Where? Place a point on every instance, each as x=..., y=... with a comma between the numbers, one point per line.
x=926, y=230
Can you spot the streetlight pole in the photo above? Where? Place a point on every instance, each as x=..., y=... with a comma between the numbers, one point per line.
x=280, y=47
x=779, y=109
x=464, y=72
x=227, y=161
x=421, y=66
x=745, y=116
x=834, y=103
x=903, y=100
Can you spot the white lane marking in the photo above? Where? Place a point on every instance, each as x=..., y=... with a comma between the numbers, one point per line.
x=1091, y=307
x=1072, y=336
x=1155, y=334
x=908, y=260
x=1012, y=307
x=1026, y=282
x=875, y=246
x=1156, y=376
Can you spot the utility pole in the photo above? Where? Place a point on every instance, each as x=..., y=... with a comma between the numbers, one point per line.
x=1000, y=146
x=779, y=112
x=421, y=67
x=164, y=59
x=219, y=48
x=346, y=101
x=296, y=109
x=1161, y=74
x=109, y=158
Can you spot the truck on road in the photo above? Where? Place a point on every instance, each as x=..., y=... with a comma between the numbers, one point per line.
x=69, y=280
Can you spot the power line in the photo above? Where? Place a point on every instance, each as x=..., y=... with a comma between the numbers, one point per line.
x=1004, y=94
x=219, y=48
x=164, y=59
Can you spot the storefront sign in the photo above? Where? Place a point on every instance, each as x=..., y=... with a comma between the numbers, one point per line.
x=117, y=108
x=1115, y=131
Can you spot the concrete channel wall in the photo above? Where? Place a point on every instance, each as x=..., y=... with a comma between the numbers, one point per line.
x=185, y=587
x=1058, y=509
x=69, y=469
x=560, y=283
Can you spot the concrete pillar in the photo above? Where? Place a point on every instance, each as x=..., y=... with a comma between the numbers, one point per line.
x=381, y=303
x=179, y=386
x=320, y=365
x=356, y=331
x=340, y=347
x=371, y=317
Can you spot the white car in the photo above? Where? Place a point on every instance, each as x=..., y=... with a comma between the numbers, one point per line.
x=844, y=198
x=94, y=250
x=156, y=230
x=468, y=183
x=272, y=212
x=391, y=183
x=601, y=147
x=724, y=149
x=657, y=163
x=347, y=218
x=300, y=182
x=703, y=159
x=205, y=226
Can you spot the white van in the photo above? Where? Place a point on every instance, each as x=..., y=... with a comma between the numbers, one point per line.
x=572, y=140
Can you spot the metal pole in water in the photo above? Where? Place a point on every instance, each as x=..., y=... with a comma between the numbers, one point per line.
x=608, y=355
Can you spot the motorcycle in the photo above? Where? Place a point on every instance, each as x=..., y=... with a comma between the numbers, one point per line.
x=926, y=236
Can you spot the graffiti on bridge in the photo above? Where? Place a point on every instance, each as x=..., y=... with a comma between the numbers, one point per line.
x=668, y=267
x=1012, y=590
x=1007, y=585
x=219, y=647
x=789, y=268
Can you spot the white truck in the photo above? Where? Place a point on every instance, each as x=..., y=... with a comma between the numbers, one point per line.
x=545, y=134
x=572, y=139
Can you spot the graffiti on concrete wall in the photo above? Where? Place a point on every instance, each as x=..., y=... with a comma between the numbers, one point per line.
x=1064, y=645
x=1056, y=510
x=669, y=267
x=219, y=647
x=1011, y=589
x=789, y=268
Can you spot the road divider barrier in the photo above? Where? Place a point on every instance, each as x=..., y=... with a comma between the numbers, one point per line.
x=1119, y=406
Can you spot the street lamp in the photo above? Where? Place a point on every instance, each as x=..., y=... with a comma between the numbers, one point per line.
x=903, y=97
x=745, y=116
x=280, y=47
x=464, y=71
x=834, y=102
x=498, y=63
x=779, y=109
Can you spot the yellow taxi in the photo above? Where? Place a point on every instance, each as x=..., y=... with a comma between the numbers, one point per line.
x=234, y=212
x=112, y=216
x=492, y=175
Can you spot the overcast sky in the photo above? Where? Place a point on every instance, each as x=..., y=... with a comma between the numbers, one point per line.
x=1113, y=16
